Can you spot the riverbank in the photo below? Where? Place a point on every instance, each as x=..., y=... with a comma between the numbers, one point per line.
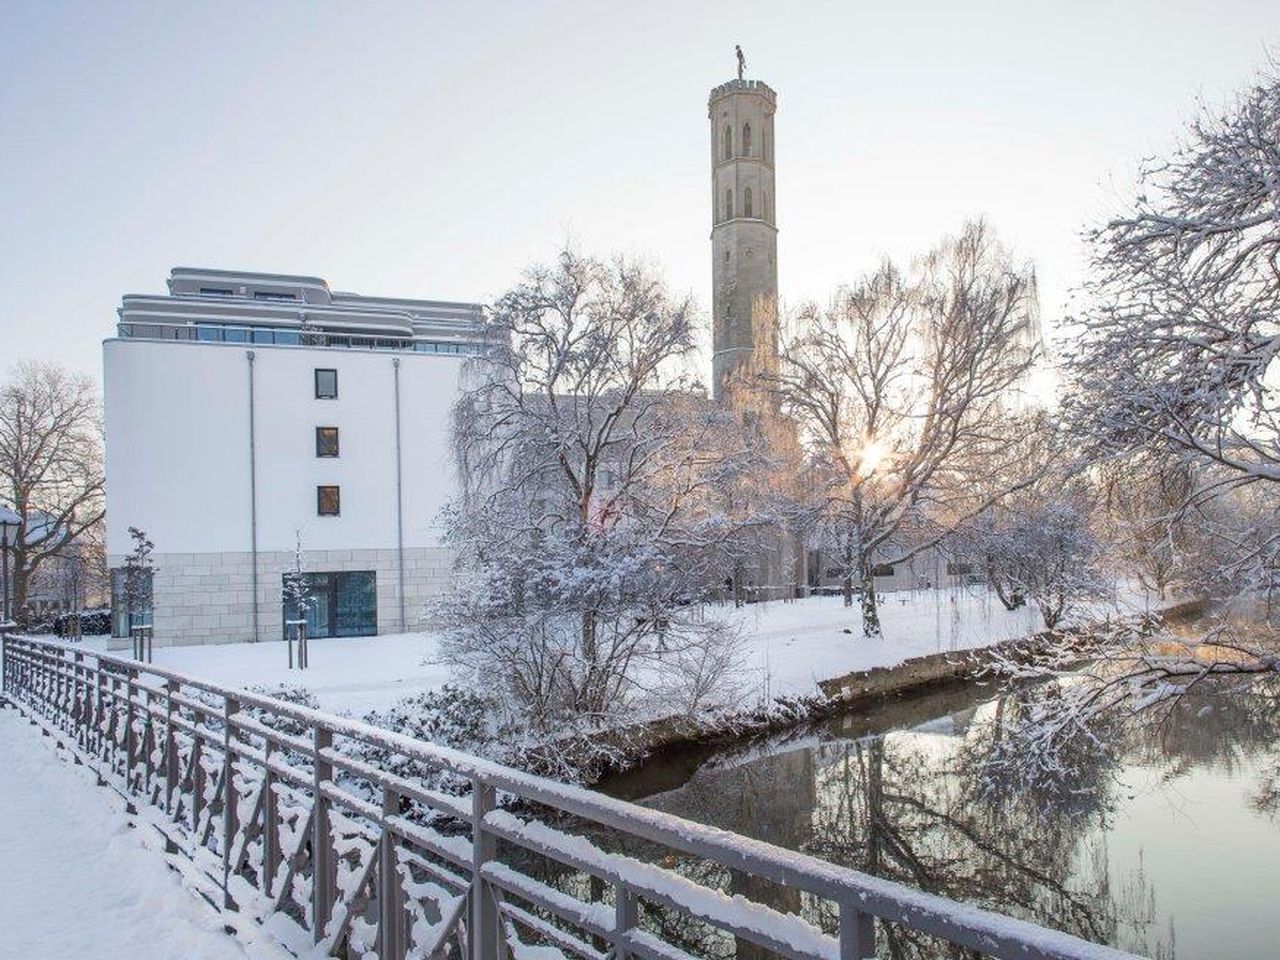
x=910, y=677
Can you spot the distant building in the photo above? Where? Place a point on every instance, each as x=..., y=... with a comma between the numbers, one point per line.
x=250, y=412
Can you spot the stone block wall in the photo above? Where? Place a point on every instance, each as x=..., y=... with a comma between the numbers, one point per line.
x=208, y=597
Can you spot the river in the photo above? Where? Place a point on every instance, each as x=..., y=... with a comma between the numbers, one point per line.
x=1169, y=847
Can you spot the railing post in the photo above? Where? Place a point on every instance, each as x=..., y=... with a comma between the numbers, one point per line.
x=198, y=779
x=148, y=743
x=626, y=915
x=270, y=824
x=130, y=689
x=323, y=867
x=390, y=894
x=170, y=748
x=81, y=701
x=484, y=937
x=857, y=933
x=230, y=813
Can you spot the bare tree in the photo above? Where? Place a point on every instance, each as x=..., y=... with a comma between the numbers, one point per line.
x=904, y=388
x=1151, y=519
x=1175, y=360
x=590, y=527
x=1039, y=545
x=50, y=464
x=1177, y=353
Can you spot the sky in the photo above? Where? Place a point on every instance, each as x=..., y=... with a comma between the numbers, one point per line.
x=436, y=150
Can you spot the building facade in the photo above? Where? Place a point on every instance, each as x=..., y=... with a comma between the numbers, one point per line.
x=257, y=420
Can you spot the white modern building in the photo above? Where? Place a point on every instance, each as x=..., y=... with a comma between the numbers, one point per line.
x=249, y=413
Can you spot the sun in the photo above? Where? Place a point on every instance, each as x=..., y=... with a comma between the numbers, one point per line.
x=870, y=456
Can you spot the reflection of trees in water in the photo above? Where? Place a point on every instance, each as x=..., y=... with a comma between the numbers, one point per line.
x=921, y=808
x=1001, y=767
x=1224, y=727
x=889, y=807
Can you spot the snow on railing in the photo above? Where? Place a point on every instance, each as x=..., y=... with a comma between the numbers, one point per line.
x=306, y=822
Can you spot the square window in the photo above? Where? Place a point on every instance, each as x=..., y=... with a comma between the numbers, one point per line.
x=328, y=502
x=326, y=384
x=326, y=441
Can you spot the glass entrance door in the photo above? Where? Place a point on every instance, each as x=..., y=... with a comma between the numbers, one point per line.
x=342, y=604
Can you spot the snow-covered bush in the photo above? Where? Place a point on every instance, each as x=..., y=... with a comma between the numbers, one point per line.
x=298, y=696
x=449, y=716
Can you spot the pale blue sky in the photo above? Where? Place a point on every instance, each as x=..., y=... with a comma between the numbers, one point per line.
x=434, y=150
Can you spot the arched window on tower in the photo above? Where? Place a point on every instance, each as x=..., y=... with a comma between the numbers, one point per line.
x=728, y=204
x=728, y=142
x=746, y=139
x=746, y=203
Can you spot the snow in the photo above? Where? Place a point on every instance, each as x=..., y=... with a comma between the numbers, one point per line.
x=78, y=881
x=789, y=647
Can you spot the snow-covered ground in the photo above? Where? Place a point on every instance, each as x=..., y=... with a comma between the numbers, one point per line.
x=789, y=647
x=77, y=881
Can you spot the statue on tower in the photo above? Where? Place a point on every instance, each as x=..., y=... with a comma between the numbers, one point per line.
x=742, y=60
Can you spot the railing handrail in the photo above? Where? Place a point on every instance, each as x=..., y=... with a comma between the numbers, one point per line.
x=892, y=901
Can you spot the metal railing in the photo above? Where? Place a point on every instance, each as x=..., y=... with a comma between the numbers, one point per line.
x=315, y=826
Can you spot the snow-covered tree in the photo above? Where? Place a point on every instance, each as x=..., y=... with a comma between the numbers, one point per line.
x=591, y=525
x=295, y=594
x=904, y=388
x=50, y=466
x=1175, y=360
x=1038, y=545
x=139, y=573
x=1151, y=520
x=1178, y=342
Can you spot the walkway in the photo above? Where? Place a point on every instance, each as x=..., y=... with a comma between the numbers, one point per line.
x=77, y=881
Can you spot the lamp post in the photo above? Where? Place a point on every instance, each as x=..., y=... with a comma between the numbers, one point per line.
x=9, y=523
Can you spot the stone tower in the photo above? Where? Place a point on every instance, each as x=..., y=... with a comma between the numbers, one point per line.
x=744, y=233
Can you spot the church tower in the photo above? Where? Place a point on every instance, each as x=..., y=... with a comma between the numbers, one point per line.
x=744, y=233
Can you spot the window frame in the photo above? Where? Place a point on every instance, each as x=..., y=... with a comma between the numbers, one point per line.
x=316, y=379
x=321, y=490
x=337, y=444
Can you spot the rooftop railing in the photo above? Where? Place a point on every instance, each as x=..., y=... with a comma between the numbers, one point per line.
x=333, y=835
x=284, y=336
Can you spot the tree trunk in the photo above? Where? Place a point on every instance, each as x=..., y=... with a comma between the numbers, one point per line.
x=19, y=584
x=848, y=574
x=870, y=611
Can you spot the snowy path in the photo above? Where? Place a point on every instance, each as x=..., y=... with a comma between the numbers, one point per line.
x=76, y=881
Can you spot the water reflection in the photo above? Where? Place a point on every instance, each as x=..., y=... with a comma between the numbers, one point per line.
x=1163, y=840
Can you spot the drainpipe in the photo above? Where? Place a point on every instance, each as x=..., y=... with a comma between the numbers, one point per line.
x=395, y=366
x=253, y=501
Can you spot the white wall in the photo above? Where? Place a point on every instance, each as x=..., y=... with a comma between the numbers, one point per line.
x=177, y=420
